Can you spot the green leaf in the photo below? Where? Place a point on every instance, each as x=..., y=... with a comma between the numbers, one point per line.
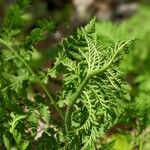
x=38, y=34
x=12, y=22
x=6, y=142
x=24, y=145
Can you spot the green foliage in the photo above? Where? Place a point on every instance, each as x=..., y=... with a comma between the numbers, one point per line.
x=6, y=142
x=13, y=21
x=136, y=64
x=92, y=99
x=108, y=146
x=38, y=33
x=92, y=85
x=22, y=144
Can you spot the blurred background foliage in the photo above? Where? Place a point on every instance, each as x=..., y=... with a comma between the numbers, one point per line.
x=116, y=20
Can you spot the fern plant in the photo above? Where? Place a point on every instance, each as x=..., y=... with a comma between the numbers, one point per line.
x=89, y=103
x=92, y=85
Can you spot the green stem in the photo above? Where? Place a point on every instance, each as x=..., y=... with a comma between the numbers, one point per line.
x=31, y=71
x=52, y=99
x=70, y=106
x=19, y=80
x=20, y=58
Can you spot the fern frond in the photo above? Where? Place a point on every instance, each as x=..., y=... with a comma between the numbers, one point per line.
x=93, y=85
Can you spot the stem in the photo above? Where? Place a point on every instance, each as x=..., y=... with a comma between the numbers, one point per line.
x=20, y=58
x=73, y=100
x=31, y=71
x=22, y=79
x=51, y=98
